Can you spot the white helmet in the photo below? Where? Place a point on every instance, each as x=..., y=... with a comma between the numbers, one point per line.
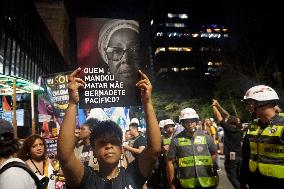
x=161, y=123
x=261, y=93
x=134, y=120
x=169, y=122
x=188, y=113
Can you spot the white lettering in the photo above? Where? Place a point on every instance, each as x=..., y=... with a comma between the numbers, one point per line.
x=93, y=70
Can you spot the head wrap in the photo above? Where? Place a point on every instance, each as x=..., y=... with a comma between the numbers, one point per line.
x=109, y=28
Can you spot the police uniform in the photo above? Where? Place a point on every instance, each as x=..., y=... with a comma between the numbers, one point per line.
x=263, y=155
x=194, y=162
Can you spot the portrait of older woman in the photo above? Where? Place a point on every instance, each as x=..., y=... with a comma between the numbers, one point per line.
x=118, y=46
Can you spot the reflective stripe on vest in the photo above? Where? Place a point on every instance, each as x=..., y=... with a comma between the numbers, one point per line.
x=184, y=142
x=198, y=160
x=267, y=151
x=194, y=182
x=186, y=161
x=195, y=163
x=271, y=150
x=166, y=141
x=271, y=170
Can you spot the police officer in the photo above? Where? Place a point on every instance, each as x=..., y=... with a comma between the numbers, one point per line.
x=263, y=147
x=194, y=154
x=168, y=125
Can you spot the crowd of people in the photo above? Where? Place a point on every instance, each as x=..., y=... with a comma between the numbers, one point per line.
x=168, y=155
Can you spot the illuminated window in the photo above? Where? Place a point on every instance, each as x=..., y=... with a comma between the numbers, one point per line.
x=174, y=34
x=208, y=30
x=184, y=49
x=183, y=16
x=218, y=64
x=158, y=34
x=175, y=69
x=195, y=35
x=187, y=68
x=152, y=21
x=225, y=29
x=204, y=35
x=159, y=49
x=176, y=25
x=171, y=15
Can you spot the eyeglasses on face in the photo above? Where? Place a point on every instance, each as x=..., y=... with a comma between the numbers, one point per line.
x=116, y=53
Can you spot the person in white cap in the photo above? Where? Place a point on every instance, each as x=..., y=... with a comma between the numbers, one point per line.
x=194, y=154
x=263, y=146
x=168, y=125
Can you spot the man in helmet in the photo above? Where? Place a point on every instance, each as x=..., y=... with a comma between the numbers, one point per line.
x=263, y=146
x=194, y=154
x=168, y=125
x=168, y=128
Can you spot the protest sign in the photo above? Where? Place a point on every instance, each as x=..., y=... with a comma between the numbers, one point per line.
x=56, y=92
x=51, y=146
x=108, y=53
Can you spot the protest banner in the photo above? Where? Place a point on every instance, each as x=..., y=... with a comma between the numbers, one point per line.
x=56, y=92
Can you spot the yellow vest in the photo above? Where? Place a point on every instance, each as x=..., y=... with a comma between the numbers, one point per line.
x=195, y=163
x=266, y=150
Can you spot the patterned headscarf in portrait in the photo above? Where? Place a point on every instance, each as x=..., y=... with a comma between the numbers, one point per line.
x=109, y=28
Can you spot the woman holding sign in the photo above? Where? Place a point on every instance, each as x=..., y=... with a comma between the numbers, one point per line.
x=106, y=140
x=119, y=47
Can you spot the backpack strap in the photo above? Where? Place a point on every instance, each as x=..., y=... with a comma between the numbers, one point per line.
x=26, y=168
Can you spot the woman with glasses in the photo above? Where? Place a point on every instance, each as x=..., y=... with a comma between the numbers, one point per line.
x=118, y=45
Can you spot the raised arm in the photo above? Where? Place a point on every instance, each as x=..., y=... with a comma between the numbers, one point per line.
x=149, y=156
x=72, y=167
x=216, y=111
x=219, y=112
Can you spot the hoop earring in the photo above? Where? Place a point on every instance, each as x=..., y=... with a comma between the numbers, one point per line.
x=121, y=157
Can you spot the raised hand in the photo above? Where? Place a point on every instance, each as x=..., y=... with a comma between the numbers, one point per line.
x=74, y=83
x=145, y=87
x=215, y=102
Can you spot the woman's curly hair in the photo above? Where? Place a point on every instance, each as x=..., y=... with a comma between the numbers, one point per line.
x=25, y=151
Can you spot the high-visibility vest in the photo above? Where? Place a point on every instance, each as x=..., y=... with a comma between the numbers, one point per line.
x=266, y=150
x=166, y=141
x=195, y=163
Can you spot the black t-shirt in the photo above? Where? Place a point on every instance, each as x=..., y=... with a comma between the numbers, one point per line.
x=139, y=141
x=232, y=138
x=129, y=178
